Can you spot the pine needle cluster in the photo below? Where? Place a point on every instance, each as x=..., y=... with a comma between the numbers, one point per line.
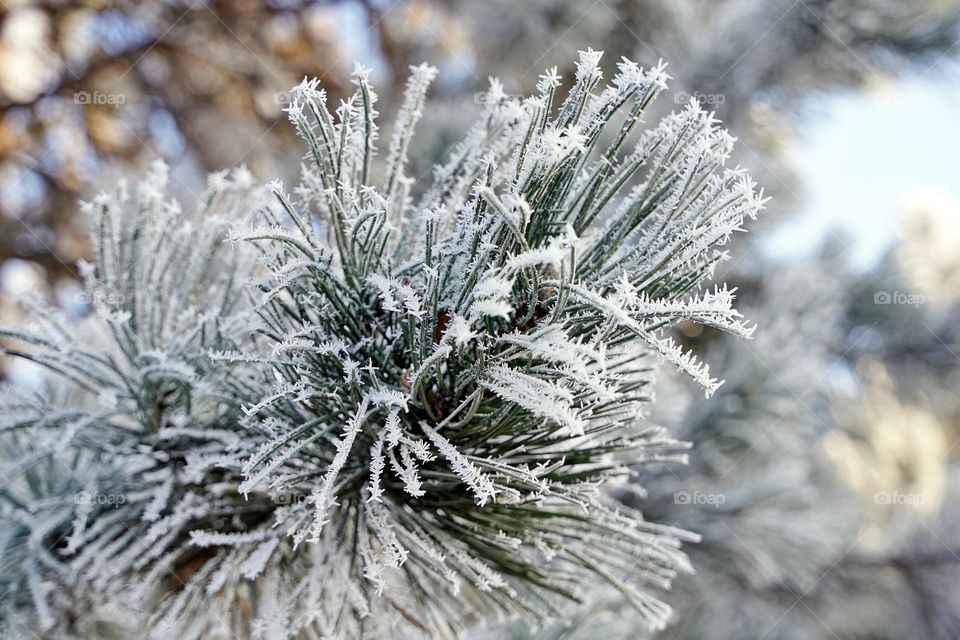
x=360, y=408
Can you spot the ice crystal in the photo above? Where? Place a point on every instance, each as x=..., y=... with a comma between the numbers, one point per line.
x=373, y=408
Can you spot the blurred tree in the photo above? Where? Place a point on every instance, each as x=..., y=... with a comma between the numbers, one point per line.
x=91, y=88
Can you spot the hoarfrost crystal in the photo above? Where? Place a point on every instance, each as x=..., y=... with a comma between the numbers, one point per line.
x=409, y=422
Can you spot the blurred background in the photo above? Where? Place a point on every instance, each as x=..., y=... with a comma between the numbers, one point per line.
x=824, y=473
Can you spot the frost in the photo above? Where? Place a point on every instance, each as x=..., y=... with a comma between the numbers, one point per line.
x=303, y=404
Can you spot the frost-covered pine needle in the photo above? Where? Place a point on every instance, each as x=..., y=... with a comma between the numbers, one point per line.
x=380, y=409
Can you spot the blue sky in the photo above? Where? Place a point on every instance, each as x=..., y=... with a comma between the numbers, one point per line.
x=861, y=155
